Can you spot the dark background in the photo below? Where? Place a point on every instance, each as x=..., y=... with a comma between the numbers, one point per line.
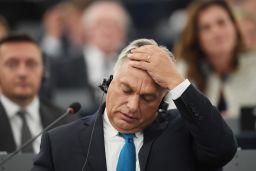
x=146, y=15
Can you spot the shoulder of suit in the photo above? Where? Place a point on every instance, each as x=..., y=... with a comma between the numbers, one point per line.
x=170, y=116
x=174, y=119
x=68, y=128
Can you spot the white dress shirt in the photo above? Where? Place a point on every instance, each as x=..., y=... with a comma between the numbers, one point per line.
x=32, y=118
x=51, y=46
x=98, y=64
x=114, y=142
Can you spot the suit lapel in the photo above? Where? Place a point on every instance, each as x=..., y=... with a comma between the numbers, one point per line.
x=150, y=135
x=96, y=157
x=47, y=116
x=43, y=115
x=49, y=113
x=6, y=136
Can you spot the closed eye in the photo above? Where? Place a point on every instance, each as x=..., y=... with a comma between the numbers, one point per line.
x=126, y=89
x=148, y=97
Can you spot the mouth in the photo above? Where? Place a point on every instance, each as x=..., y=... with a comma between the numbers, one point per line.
x=22, y=85
x=128, y=118
x=220, y=40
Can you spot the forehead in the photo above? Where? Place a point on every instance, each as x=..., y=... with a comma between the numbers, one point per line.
x=107, y=13
x=136, y=77
x=213, y=10
x=20, y=50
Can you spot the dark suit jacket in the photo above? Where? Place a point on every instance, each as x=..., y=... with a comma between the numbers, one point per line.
x=191, y=139
x=48, y=113
x=68, y=73
x=71, y=75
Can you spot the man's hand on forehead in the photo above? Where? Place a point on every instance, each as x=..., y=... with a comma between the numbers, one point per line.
x=157, y=62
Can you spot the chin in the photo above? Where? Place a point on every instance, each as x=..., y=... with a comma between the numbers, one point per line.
x=124, y=127
x=24, y=96
x=127, y=131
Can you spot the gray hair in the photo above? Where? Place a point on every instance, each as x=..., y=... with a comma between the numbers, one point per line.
x=119, y=13
x=135, y=44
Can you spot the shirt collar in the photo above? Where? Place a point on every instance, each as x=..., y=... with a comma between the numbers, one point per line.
x=90, y=50
x=11, y=108
x=109, y=129
x=93, y=51
x=33, y=108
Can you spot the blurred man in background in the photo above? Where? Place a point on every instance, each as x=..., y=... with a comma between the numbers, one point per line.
x=22, y=113
x=105, y=26
x=62, y=31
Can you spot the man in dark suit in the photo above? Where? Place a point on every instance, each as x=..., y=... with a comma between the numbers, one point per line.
x=22, y=113
x=133, y=123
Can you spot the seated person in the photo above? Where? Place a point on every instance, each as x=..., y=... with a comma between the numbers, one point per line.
x=23, y=115
x=132, y=131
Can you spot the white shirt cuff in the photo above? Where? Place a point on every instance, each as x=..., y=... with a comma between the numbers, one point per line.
x=176, y=92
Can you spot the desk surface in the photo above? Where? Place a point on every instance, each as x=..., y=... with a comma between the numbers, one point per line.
x=244, y=160
x=20, y=162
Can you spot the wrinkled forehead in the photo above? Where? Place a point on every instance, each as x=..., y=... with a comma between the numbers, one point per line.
x=131, y=75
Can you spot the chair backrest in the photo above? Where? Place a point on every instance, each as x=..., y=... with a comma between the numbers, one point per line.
x=233, y=123
x=248, y=118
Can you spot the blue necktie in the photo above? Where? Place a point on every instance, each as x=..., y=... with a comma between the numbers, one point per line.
x=127, y=157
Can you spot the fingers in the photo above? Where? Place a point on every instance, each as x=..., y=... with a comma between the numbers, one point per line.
x=143, y=49
x=140, y=58
x=143, y=53
x=139, y=64
x=144, y=57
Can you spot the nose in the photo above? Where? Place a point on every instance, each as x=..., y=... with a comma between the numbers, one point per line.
x=22, y=70
x=133, y=103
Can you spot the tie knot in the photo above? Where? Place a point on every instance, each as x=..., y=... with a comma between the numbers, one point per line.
x=22, y=113
x=127, y=137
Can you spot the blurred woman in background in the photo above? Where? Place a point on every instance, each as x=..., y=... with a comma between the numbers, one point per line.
x=4, y=31
x=4, y=27
x=210, y=49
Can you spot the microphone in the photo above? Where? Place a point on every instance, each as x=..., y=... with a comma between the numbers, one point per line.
x=72, y=109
